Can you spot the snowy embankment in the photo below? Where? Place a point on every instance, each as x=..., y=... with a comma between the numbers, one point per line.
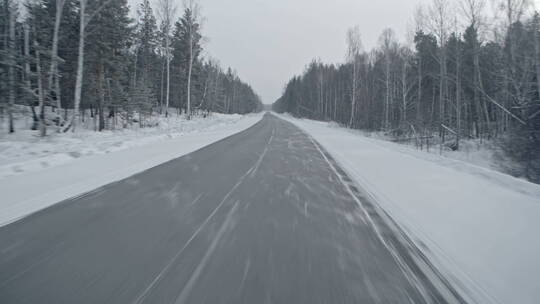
x=478, y=226
x=36, y=173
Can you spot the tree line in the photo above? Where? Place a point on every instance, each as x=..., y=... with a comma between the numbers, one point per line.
x=467, y=73
x=68, y=61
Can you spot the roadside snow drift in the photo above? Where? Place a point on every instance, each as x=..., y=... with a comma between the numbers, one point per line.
x=479, y=227
x=37, y=173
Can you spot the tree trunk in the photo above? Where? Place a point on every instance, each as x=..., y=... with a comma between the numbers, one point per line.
x=458, y=96
x=80, y=68
x=59, y=102
x=420, y=88
x=101, y=98
x=404, y=93
x=537, y=51
x=168, y=75
x=161, y=88
x=190, y=70
x=42, y=123
x=11, y=64
x=387, y=97
x=353, y=100
x=442, y=96
x=54, y=58
x=35, y=119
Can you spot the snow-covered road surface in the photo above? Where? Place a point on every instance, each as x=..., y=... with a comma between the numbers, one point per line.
x=479, y=227
x=263, y=216
x=99, y=161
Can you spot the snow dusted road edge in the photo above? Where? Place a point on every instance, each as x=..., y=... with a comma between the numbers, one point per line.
x=478, y=227
x=29, y=192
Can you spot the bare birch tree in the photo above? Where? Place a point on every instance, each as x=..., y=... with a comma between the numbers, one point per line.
x=388, y=45
x=53, y=72
x=27, y=76
x=166, y=11
x=354, y=43
x=440, y=14
x=40, y=95
x=80, y=67
x=419, y=20
x=11, y=62
x=194, y=8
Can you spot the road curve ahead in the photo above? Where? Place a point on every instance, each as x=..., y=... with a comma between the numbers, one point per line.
x=260, y=217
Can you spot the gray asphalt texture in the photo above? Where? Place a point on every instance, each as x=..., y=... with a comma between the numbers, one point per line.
x=259, y=217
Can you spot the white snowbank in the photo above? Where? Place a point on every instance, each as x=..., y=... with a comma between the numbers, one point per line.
x=481, y=153
x=36, y=173
x=480, y=227
x=24, y=151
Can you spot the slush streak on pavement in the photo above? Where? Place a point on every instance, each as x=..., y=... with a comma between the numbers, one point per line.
x=259, y=217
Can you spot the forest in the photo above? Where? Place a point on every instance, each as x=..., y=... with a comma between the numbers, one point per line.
x=64, y=62
x=468, y=70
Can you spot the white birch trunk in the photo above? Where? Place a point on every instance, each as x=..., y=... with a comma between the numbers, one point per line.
x=80, y=68
x=353, y=101
x=190, y=71
x=168, y=87
x=54, y=56
x=387, y=97
x=41, y=98
x=11, y=69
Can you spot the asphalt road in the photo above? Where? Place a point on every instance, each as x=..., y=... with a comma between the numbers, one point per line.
x=260, y=217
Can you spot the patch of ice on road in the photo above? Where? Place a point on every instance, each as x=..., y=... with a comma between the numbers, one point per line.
x=81, y=162
x=480, y=227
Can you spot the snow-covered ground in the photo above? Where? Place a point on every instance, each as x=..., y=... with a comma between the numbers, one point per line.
x=36, y=173
x=481, y=153
x=478, y=226
x=24, y=151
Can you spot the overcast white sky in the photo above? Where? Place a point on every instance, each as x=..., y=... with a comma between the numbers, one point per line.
x=269, y=41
